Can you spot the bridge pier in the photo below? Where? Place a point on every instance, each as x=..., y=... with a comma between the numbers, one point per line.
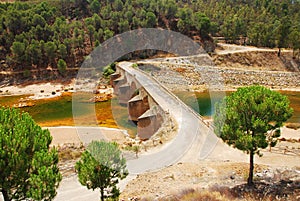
x=142, y=108
x=137, y=106
x=113, y=77
x=149, y=123
x=116, y=83
x=124, y=94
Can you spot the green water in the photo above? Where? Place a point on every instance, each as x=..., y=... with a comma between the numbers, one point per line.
x=203, y=102
x=47, y=110
x=120, y=115
x=58, y=112
x=51, y=110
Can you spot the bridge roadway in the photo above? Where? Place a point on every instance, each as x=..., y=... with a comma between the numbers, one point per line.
x=193, y=141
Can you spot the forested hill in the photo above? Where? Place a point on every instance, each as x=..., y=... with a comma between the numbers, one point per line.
x=60, y=33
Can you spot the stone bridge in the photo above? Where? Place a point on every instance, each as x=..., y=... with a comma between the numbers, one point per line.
x=148, y=104
x=144, y=108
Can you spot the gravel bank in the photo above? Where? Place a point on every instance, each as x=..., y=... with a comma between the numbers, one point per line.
x=188, y=76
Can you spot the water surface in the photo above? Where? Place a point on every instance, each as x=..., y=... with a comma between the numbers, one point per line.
x=203, y=102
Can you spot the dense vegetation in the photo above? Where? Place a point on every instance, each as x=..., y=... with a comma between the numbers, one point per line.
x=38, y=34
x=269, y=23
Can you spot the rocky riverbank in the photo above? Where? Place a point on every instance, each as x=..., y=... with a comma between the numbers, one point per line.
x=191, y=77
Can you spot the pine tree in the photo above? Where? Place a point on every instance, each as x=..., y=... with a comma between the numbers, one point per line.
x=28, y=168
x=246, y=117
x=102, y=166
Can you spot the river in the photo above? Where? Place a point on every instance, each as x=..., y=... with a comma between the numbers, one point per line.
x=58, y=111
x=203, y=102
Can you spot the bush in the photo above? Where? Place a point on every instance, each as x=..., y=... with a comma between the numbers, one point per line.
x=61, y=66
x=108, y=70
x=27, y=73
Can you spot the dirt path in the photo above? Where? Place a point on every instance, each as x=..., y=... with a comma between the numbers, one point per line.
x=230, y=49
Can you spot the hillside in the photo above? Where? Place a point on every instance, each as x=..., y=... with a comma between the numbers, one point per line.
x=36, y=35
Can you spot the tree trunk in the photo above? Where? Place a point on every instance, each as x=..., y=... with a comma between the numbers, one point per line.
x=250, y=178
x=279, y=52
x=294, y=53
x=102, y=194
x=5, y=195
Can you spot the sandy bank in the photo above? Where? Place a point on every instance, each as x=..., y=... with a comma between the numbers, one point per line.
x=77, y=135
x=48, y=90
x=38, y=91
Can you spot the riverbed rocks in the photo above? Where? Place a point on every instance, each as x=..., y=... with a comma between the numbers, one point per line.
x=23, y=103
x=100, y=98
x=188, y=75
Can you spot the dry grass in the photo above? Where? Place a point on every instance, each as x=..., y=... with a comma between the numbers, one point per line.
x=220, y=193
x=70, y=152
x=194, y=195
x=203, y=195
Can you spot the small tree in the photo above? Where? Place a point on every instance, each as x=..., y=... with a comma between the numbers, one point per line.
x=50, y=51
x=18, y=50
x=61, y=66
x=101, y=166
x=294, y=39
x=136, y=149
x=245, y=118
x=28, y=169
x=202, y=23
x=95, y=6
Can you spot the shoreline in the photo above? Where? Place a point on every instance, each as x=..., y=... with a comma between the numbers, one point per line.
x=37, y=91
x=45, y=90
x=71, y=135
